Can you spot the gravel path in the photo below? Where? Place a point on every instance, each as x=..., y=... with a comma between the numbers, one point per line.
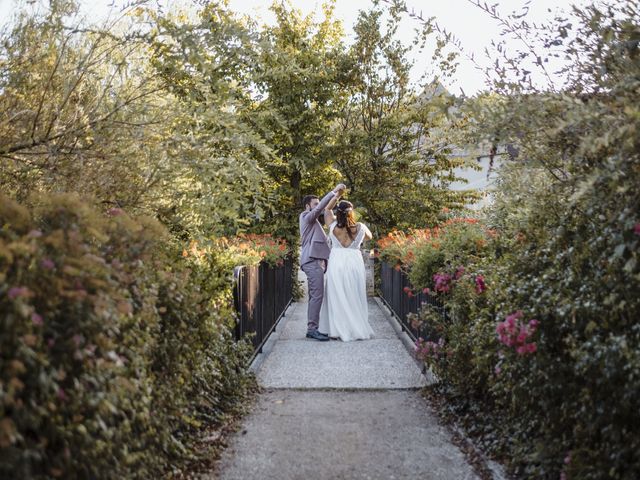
x=334, y=410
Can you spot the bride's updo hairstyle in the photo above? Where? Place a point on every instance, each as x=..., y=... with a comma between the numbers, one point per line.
x=345, y=218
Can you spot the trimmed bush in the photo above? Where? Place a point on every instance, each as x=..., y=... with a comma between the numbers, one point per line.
x=111, y=353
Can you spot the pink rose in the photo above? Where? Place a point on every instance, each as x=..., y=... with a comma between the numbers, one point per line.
x=522, y=337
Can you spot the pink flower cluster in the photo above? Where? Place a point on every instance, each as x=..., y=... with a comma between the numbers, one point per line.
x=47, y=264
x=443, y=282
x=427, y=349
x=19, y=292
x=636, y=228
x=513, y=332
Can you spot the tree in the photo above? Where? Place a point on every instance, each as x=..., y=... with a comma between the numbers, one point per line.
x=394, y=148
x=74, y=98
x=298, y=82
x=216, y=136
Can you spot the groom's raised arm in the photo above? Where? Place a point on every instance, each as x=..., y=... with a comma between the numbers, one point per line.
x=314, y=213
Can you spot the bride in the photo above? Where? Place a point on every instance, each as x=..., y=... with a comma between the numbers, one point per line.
x=344, y=313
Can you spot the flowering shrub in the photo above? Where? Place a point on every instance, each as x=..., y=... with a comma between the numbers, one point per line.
x=429, y=350
x=111, y=353
x=428, y=255
x=555, y=396
x=244, y=249
x=514, y=333
x=260, y=246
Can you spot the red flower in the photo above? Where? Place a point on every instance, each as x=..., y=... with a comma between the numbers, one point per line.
x=636, y=229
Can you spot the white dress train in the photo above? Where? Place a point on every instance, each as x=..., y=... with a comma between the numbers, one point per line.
x=344, y=313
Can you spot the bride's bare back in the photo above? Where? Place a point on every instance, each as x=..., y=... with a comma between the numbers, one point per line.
x=343, y=236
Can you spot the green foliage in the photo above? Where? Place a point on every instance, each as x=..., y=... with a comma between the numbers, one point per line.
x=112, y=354
x=393, y=135
x=298, y=80
x=567, y=257
x=215, y=136
x=83, y=89
x=423, y=253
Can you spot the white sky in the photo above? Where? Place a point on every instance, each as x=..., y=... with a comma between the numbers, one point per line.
x=470, y=25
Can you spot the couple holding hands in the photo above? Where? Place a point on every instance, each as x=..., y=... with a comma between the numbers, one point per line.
x=335, y=269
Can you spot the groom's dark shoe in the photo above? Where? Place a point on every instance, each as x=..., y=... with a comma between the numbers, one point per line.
x=316, y=335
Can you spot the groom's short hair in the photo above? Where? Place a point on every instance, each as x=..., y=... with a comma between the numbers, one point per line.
x=307, y=200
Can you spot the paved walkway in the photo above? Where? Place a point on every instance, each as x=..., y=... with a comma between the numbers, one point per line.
x=334, y=410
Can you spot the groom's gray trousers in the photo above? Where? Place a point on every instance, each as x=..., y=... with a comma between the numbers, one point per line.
x=314, y=270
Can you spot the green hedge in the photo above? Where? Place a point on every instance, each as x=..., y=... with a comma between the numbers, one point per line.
x=533, y=357
x=114, y=348
x=543, y=361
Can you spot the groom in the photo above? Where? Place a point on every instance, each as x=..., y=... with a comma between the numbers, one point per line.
x=314, y=255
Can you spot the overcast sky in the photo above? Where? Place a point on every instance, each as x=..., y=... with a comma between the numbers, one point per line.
x=471, y=26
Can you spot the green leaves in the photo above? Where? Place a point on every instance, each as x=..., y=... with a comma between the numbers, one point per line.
x=393, y=140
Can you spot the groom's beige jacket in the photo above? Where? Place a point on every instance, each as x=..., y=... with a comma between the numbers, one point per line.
x=313, y=240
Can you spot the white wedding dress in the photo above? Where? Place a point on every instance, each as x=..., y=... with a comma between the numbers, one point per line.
x=344, y=313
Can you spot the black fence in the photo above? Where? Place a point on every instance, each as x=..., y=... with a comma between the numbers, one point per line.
x=261, y=295
x=392, y=285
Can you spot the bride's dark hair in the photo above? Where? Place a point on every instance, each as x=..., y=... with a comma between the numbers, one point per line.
x=346, y=218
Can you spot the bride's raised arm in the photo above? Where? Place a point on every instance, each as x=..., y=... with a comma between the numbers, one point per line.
x=329, y=217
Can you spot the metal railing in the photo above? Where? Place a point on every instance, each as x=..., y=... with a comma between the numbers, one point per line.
x=261, y=294
x=392, y=291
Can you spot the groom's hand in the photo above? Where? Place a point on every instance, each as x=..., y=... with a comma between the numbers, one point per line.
x=340, y=188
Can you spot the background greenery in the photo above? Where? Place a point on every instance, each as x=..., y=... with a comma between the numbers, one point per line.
x=559, y=263
x=142, y=159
